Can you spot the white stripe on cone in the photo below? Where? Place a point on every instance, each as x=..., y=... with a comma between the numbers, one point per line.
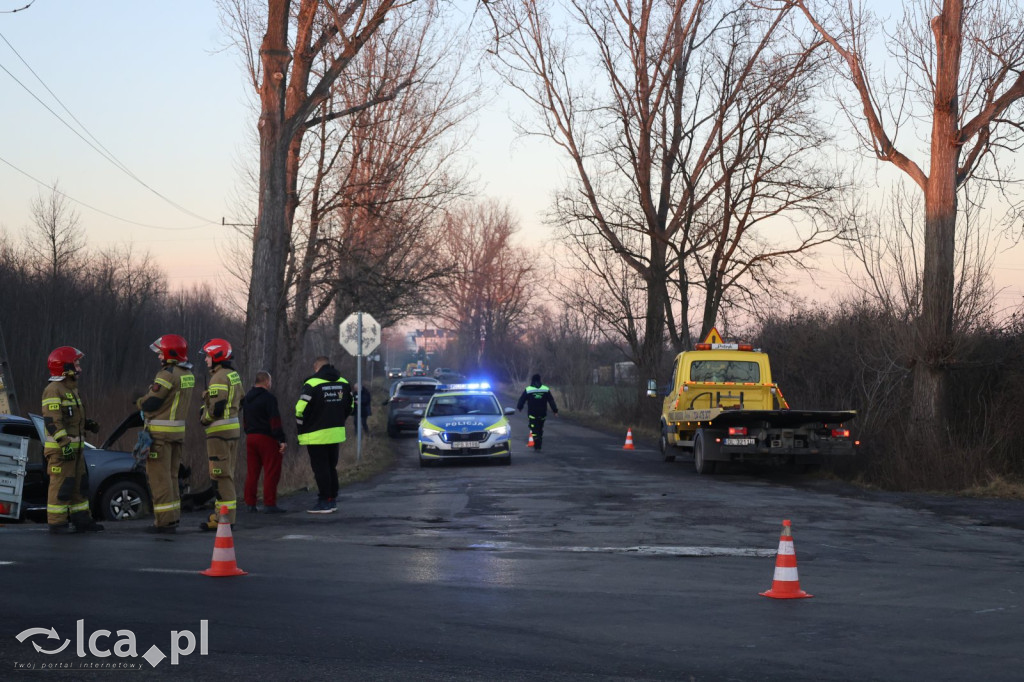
x=223, y=554
x=786, y=574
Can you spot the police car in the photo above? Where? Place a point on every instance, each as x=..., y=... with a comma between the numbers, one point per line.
x=465, y=421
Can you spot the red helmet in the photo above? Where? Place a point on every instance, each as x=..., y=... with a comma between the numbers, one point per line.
x=62, y=361
x=174, y=347
x=218, y=350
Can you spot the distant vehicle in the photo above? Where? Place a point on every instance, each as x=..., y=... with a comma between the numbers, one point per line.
x=395, y=372
x=442, y=370
x=450, y=376
x=407, y=396
x=465, y=421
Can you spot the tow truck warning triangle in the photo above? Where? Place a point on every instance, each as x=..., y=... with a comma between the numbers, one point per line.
x=713, y=336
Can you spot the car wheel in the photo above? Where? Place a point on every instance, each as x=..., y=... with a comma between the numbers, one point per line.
x=505, y=461
x=425, y=462
x=124, y=500
x=701, y=464
x=393, y=430
x=664, y=446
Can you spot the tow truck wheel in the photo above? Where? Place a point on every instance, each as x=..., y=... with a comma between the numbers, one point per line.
x=663, y=445
x=700, y=463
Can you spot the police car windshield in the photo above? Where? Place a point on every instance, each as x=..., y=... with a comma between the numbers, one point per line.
x=458, y=405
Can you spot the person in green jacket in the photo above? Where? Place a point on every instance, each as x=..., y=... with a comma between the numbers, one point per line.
x=537, y=397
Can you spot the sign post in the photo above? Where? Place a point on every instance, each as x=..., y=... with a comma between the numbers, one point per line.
x=359, y=334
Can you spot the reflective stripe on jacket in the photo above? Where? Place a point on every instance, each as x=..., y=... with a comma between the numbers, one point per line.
x=323, y=407
x=219, y=413
x=63, y=415
x=171, y=393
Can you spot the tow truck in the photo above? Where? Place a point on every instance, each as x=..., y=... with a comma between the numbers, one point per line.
x=723, y=406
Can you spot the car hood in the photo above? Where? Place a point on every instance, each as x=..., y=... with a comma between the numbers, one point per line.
x=466, y=423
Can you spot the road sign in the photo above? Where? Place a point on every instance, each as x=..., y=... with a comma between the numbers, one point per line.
x=348, y=334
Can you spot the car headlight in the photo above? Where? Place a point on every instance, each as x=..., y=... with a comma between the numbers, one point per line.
x=427, y=432
x=501, y=430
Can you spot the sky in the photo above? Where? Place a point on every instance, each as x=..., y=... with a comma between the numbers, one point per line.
x=152, y=83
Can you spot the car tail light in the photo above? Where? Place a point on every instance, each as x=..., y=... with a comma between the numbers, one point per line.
x=4, y=509
x=737, y=430
x=398, y=402
x=840, y=433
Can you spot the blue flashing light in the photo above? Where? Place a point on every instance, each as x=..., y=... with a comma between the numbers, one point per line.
x=477, y=386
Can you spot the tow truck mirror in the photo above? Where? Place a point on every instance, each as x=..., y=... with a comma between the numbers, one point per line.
x=652, y=388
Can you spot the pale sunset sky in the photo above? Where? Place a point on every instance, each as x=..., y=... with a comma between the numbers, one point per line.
x=149, y=90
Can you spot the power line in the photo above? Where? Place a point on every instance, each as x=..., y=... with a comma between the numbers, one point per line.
x=99, y=210
x=12, y=11
x=101, y=150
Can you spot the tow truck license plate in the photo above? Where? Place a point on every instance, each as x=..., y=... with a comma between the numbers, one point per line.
x=739, y=441
x=465, y=444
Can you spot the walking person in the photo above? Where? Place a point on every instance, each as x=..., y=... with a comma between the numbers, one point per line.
x=164, y=408
x=537, y=397
x=65, y=424
x=219, y=416
x=264, y=444
x=320, y=414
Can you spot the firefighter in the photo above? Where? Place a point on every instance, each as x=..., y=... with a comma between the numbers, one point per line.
x=219, y=415
x=65, y=422
x=164, y=408
x=536, y=397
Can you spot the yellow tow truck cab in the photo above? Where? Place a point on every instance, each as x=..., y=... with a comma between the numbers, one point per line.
x=723, y=406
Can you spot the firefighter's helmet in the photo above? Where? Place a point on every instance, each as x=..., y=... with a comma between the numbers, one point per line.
x=61, y=361
x=218, y=350
x=174, y=347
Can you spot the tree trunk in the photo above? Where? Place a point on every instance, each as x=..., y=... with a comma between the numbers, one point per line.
x=935, y=326
x=269, y=246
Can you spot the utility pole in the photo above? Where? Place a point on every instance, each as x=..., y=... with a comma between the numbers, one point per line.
x=8, y=400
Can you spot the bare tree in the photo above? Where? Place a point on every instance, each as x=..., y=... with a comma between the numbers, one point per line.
x=961, y=73
x=485, y=294
x=55, y=234
x=296, y=36
x=687, y=137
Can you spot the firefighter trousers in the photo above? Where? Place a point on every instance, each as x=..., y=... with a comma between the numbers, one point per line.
x=68, y=494
x=162, y=471
x=222, y=453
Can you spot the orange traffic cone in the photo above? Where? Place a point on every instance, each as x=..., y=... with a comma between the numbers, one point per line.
x=529, y=443
x=629, y=440
x=786, y=584
x=223, y=563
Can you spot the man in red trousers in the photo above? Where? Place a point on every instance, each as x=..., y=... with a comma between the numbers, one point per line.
x=264, y=444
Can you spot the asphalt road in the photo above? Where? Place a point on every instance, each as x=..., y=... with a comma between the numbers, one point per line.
x=584, y=562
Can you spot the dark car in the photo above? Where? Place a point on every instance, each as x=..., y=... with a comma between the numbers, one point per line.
x=117, y=482
x=408, y=396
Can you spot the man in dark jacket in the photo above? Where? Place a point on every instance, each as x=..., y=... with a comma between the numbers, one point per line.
x=320, y=414
x=536, y=397
x=264, y=443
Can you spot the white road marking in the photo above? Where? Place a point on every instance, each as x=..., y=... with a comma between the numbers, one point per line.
x=6, y=563
x=167, y=570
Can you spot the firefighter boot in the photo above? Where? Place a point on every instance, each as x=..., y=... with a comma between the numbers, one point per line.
x=62, y=529
x=209, y=524
x=84, y=523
